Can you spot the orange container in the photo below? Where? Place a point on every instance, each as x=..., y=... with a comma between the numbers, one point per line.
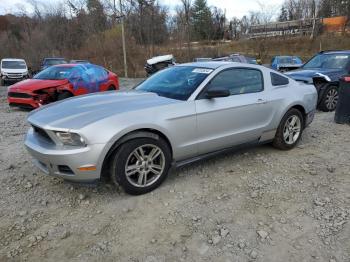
x=334, y=24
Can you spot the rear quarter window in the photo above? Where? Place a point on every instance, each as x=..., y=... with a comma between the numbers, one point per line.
x=278, y=80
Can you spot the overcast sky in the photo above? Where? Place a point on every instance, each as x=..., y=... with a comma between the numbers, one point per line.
x=236, y=8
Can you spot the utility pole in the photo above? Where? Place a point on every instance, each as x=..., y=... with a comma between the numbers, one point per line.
x=123, y=39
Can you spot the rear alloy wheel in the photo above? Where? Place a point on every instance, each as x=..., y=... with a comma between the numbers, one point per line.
x=290, y=130
x=141, y=165
x=330, y=99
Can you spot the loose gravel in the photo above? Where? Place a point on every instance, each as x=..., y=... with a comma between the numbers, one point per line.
x=260, y=204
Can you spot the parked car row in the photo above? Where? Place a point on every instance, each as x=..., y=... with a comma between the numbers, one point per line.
x=183, y=113
x=13, y=70
x=324, y=71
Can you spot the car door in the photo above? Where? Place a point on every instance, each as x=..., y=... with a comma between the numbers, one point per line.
x=237, y=119
x=79, y=80
x=103, y=79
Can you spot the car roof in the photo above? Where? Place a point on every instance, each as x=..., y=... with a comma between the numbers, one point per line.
x=54, y=58
x=66, y=65
x=279, y=56
x=75, y=65
x=209, y=64
x=335, y=52
x=12, y=59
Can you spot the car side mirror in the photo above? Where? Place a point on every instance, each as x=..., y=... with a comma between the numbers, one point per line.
x=217, y=92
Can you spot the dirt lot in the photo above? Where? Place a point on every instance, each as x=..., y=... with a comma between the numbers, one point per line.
x=257, y=205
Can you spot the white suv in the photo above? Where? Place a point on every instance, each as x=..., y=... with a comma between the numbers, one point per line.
x=13, y=70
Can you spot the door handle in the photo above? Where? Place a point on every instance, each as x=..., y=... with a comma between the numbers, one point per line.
x=261, y=101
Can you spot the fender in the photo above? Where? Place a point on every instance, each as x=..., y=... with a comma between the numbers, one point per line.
x=65, y=87
x=295, y=105
x=125, y=138
x=321, y=85
x=130, y=136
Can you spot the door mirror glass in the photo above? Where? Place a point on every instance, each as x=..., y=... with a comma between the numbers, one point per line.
x=217, y=92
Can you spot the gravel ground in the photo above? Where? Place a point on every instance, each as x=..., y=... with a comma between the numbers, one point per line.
x=257, y=205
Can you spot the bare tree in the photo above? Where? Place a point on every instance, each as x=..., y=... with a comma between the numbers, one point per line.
x=186, y=5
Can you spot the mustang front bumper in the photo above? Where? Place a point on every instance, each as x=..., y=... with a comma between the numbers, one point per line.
x=69, y=163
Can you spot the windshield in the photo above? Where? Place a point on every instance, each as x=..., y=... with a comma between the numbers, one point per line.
x=329, y=61
x=51, y=62
x=13, y=64
x=289, y=60
x=54, y=73
x=176, y=82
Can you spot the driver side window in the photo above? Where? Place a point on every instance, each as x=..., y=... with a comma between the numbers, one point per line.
x=239, y=81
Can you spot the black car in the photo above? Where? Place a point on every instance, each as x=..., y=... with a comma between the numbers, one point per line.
x=79, y=61
x=324, y=70
x=47, y=62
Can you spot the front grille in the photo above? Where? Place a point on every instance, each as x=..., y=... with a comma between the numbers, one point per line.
x=11, y=75
x=19, y=95
x=20, y=105
x=42, y=133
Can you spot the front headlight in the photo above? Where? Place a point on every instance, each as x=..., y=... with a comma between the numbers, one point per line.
x=70, y=139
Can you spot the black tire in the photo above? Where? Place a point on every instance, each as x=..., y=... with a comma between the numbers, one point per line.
x=3, y=82
x=111, y=88
x=124, y=153
x=63, y=95
x=325, y=104
x=279, y=140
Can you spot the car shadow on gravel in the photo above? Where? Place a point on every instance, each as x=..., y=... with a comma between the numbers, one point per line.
x=105, y=186
x=20, y=109
x=218, y=160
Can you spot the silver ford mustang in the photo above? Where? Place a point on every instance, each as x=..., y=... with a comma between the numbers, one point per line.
x=179, y=115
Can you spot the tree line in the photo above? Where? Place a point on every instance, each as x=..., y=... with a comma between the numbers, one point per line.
x=303, y=9
x=90, y=29
x=76, y=25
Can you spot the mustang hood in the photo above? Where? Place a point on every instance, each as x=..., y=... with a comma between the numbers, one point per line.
x=36, y=84
x=307, y=75
x=77, y=112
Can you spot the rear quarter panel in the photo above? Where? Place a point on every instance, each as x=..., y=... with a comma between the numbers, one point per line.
x=283, y=98
x=299, y=94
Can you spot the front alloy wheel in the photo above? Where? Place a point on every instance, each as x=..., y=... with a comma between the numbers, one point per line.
x=145, y=165
x=140, y=165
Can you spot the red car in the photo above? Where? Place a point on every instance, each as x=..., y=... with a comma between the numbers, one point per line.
x=60, y=82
